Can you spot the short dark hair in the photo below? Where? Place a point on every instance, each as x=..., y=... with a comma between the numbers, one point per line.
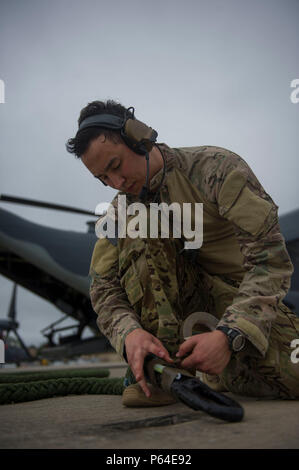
x=80, y=143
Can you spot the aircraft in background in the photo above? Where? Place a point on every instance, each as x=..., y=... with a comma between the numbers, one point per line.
x=289, y=225
x=54, y=264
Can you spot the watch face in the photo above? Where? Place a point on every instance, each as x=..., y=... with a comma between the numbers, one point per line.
x=238, y=343
x=235, y=338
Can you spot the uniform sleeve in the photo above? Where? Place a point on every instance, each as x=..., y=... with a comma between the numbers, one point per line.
x=242, y=200
x=116, y=318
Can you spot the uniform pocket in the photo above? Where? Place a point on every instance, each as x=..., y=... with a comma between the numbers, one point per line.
x=249, y=212
x=131, y=251
x=131, y=283
x=128, y=273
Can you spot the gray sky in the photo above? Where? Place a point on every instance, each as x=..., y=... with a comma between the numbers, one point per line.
x=214, y=72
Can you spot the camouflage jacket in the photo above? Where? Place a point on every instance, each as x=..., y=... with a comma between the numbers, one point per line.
x=241, y=242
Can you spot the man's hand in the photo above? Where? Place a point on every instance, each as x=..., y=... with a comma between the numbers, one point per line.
x=207, y=352
x=139, y=343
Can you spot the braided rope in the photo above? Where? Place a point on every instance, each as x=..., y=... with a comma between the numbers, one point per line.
x=30, y=376
x=33, y=388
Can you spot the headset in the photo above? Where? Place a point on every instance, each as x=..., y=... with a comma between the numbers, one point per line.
x=137, y=136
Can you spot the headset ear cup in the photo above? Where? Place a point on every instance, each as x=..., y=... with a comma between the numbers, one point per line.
x=140, y=136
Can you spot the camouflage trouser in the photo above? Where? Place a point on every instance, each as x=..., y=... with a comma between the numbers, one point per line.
x=276, y=375
x=165, y=286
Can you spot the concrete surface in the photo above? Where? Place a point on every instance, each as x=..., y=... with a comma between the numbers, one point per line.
x=101, y=422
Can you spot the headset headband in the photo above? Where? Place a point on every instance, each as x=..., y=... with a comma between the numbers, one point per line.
x=137, y=135
x=107, y=121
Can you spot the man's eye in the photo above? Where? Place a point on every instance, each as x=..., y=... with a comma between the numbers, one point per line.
x=102, y=179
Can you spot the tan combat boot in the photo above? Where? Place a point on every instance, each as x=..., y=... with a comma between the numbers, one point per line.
x=133, y=396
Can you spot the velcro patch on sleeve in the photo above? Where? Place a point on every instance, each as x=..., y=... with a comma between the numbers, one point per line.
x=231, y=189
x=249, y=212
x=241, y=206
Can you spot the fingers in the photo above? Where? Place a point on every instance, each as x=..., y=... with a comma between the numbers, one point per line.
x=138, y=363
x=145, y=388
x=137, y=369
x=206, y=353
x=196, y=356
x=187, y=346
x=139, y=344
x=190, y=362
x=160, y=351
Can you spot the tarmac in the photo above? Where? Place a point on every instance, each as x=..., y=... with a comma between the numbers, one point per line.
x=102, y=422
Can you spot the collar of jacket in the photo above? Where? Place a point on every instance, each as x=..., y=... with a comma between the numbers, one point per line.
x=155, y=182
x=169, y=156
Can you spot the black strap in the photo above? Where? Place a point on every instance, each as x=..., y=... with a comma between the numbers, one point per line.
x=194, y=393
x=191, y=390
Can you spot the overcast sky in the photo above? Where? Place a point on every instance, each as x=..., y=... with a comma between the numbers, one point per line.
x=214, y=72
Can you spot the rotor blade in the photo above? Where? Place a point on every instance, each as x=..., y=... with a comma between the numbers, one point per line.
x=12, y=307
x=46, y=205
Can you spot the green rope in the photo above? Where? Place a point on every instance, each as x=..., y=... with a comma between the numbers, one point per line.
x=28, y=386
x=30, y=376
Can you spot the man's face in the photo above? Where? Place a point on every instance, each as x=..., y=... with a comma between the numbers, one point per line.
x=116, y=165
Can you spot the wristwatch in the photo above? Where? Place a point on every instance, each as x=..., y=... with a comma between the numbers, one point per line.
x=236, y=341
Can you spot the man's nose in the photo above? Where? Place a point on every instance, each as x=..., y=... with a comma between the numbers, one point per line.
x=117, y=181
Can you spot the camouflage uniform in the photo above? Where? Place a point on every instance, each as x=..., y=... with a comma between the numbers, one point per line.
x=240, y=274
